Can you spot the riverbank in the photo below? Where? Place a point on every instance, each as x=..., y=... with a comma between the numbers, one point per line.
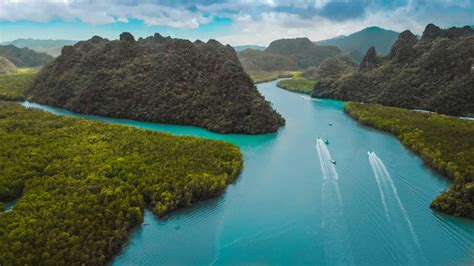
x=267, y=76
x=445, y=143
x=280, y=190
x=297, y=84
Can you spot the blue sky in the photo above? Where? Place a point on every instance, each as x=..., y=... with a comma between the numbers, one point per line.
x=230, y=21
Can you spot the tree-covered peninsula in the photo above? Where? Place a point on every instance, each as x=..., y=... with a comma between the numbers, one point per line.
x=83, y=185
x=434, y=73
x=443, y=142
x=157, y=79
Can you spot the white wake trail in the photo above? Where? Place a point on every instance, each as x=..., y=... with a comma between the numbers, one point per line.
x=328, y=168
x=377, y=174
x=337, y=244
x=381, y=173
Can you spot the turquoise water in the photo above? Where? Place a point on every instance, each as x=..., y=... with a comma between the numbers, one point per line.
x=291, y=205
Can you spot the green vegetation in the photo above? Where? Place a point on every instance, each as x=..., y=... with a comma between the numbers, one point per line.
x=434, y=73
x=286, y=55
x=303, y=51
x=157, y=79
x=445, y=143
x=266, y=76
x=262, y=61
x=297, y=84
x=24, y=57
x=12, y=86
x=331, y=68
x=84, y=184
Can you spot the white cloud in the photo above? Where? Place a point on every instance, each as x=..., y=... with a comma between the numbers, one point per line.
x=254, y=21
x=270, y=26
x=100, y=12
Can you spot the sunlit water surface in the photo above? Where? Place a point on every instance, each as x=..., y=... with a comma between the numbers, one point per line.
x=287, y=207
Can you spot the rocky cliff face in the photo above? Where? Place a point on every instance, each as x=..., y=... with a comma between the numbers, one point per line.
x=370, y=59
x=157, y=79
x=403, y=50
x=433, y=73
x=432, y=32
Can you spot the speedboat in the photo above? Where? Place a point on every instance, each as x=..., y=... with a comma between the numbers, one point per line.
x=326, y=141
x=332, y=161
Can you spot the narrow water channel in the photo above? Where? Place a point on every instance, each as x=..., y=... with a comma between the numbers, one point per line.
x=282, y=209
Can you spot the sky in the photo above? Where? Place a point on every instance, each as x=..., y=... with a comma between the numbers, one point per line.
x=235, y=22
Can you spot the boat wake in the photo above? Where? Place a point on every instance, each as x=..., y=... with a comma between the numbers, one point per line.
x=394, y=209
x=307, y=98
x=335, y=231
x=386, y=185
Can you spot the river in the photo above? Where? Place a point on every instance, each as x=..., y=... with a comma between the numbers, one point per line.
x=293, y=205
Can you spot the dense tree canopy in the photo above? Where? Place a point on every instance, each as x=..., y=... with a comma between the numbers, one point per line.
x=445, y=143
x=157, y=79
x=434, y=73
x=13, y=85
x=83, y=184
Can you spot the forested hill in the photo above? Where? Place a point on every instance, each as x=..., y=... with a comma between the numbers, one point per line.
x=303, y=51
x=254, y=60
x=433, y=73
x=357, y=43
x=286, y=55
x=157, y=79
x=24, y=57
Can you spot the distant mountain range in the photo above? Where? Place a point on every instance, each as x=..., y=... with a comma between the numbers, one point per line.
x=51, y=47
x=240, y=48
x=24, y=57
x=357, y=44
